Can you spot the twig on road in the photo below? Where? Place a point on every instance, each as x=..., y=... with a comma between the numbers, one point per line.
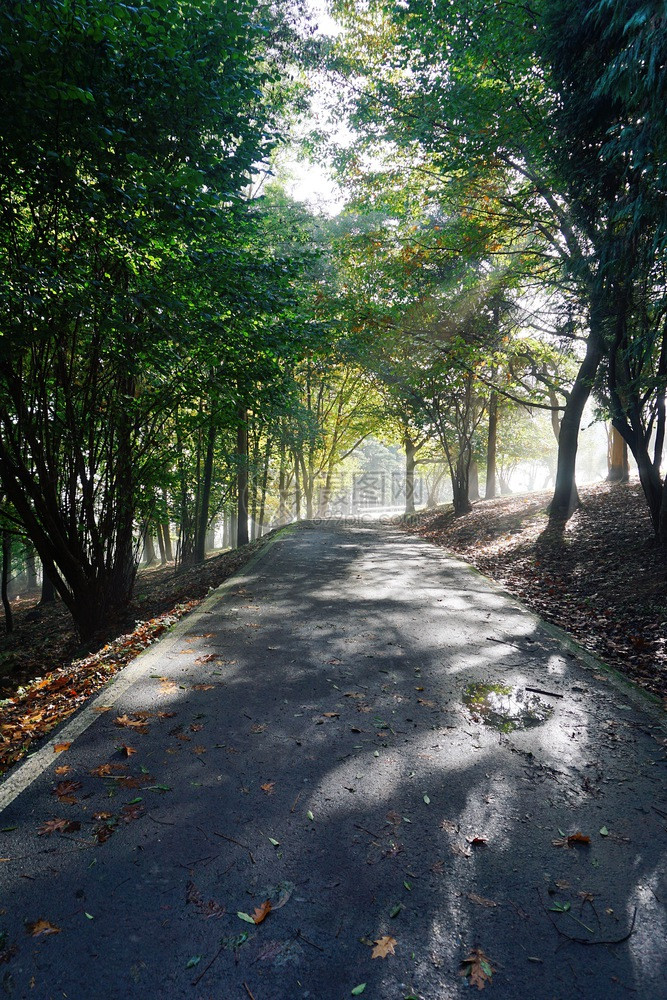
x=308, y=941
x=237, y=842
x=247, y=989
x=579, y=940
x=202, y=974
x=549, y=694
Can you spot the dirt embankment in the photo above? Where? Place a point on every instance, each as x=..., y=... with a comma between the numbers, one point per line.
x=603, y=579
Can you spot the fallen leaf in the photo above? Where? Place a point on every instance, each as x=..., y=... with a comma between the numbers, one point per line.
x=477, y=968
x=448, y=826
x=137, y=724
x=102, y=833
x=463, y=852
x=574, y=838
x=104, y=770
x=260, y=913
x=65, y=791
x=100, y=817
x=40, y=927
x=480, y=900
x=126, y=751
x=203, y=687
x=199, y=750
x=384, y=946
x=63, y=769
x=268, y=787
x=58, y=826
x=59, y=747
x=245, y=916
x=358, y=990
x=208, y=658
x=103, y=708
x=476, y=841
x=331, y=715
x=207, y=908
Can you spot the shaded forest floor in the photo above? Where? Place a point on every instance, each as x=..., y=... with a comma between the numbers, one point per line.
x=603, y=580
x=45, y=672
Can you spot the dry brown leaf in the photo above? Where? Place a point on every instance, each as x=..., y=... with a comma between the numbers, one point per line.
x=126, y=751
x=100, y=817
x=65, y=791
x=461, y=851
x=137, y=725
x=199, y=750
x=40, y=927
x=208, y=658
x=268, y=787
x=103, y=708
x=477, y=967
x=448, y=826
x=260, y=913
x=574, y=838
x=562, y=883
x=58, y=826
x=203, y=687
x=63, y=769
x=59, y=747
x=104, y=770
x=475, y=841
x=384, y=946
x=196, y=727
x=426, y=703
x=331, y=715
x=480, y=900
x=208, y=908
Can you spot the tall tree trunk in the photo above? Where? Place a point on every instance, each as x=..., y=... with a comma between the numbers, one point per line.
x=6, y=571
x=205, y=495
x=297, y=489
x=473, y=480
x=242, y=476
x=410, y=463
x=31, y=568
x=566, y=499
x=148, y=556
x=160, y=543
x=264, y=485
x=48, y=594
x=166, y=530
x=492, y=448
x=619, y=467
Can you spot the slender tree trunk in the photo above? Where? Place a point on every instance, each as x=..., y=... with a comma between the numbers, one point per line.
x=297, y=489
x=473, y=480
x=619, y=468
x=6, y=572
x=148, y=556
x=242, y=476
x=166, y=530
x=264, y=485
x=205, y=495
x=492, y=448
x=410, y=463
x=160, y=542
x=566, y=499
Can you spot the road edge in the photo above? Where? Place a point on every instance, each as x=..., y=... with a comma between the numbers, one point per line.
x=35, y=764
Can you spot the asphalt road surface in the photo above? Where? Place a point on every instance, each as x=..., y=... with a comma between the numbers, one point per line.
x=370, y=736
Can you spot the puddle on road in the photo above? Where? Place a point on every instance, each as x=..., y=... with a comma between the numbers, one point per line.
x=506, y=708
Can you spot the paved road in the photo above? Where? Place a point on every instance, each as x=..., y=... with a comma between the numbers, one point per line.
x=308, y=743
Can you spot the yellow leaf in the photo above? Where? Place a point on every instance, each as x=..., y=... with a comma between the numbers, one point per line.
x=384, y=946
